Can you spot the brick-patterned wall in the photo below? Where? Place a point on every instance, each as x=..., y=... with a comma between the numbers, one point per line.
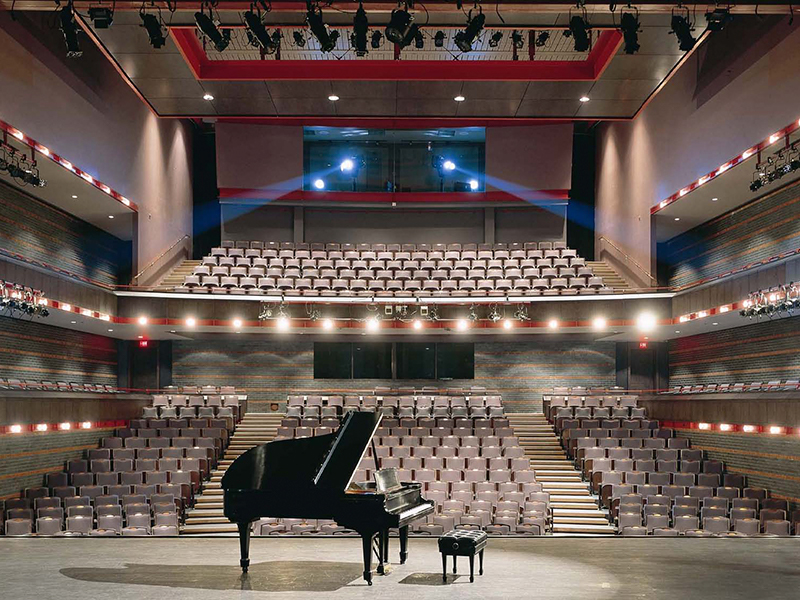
x=762, y=228
x=41, y=232
x=25, y=459
x=771, y=462
x=763, y=351
x=33, y=350
x=522, y=371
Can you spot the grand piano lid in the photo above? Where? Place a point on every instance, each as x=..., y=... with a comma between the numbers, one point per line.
x=347, y=450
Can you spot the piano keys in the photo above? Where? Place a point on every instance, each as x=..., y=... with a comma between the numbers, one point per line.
x=312, y=478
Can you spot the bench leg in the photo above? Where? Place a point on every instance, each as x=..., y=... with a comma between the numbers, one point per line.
x=481, y=562
x=472, y=568
x=444, y=567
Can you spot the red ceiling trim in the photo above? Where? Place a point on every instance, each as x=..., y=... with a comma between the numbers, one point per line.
x=396, y=122
x=394, y=197
x=392, y=70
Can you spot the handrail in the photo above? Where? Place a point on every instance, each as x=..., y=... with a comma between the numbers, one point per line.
x=628, y=258
x=160, y=256
x=57, y=270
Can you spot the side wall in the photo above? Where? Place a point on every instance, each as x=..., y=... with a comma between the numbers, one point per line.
x=758, y=230
x=521, y=371
x=763, y=352
x=84, y=111
x=39, y=352
x=38, y=231
x=685, y=131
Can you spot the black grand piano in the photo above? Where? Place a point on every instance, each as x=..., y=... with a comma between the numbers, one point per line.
x=312, y=478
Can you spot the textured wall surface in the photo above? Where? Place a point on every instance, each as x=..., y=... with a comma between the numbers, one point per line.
x=44, y=233
x=25, y=459
x=760, y=352
x=269, y=370
x=772, y=462
x=32, y=350
x=760, y=229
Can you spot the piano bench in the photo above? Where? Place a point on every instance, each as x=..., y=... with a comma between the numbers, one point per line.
x=463, y=542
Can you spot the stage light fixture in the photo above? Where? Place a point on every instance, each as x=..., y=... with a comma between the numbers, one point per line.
x=419, y=40
x=508, y=324
x=580, y=31
x=517, y=40
x=438, y=39
x=152, y=25
x=448, y=165
x=299, y=39
x=377, y=38
x=319, y=184
x=327, y=324
x=718, y=19
x=283, y=323
x=629, y=24
x=358, y=39
x=70, y=30
x=541, y=39
x=101, y=17
x=219, y=38
x=682, y=27
x=347, y=165
x=326, y=37
x=473, y=184
x=417, y=324
x=257, y=34
x=373, y=324
x=401, y=29
x=494, y=315
x=465, y=38
x=494, y=41
x=462, y=324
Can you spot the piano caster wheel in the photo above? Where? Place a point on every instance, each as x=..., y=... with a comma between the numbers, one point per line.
x=380, y=570
x=369, y=582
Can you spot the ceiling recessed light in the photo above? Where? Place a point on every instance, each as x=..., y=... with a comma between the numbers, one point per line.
x=74, y=197
x=677, y=331
x=333, y=97
x=677, y=218
x=584, y=98
x=459, y=98
x=714, y=199
x=73, y=322
x=208, y=97
x=110, y=330
x=715, y=323
x=110, y=216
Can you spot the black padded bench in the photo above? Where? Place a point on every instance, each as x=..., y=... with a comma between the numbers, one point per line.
x=462, y=542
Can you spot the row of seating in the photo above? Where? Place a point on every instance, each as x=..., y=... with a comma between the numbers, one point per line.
x=787, y=385
x=228, y=245
x=11, y=383
x=372, y=401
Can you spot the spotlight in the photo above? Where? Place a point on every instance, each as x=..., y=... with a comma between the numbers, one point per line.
x=152, y=25
x=327, y=324
x=646, y=322
x=521, y=314
x=101, y=17
x=299, y=39
x=70, y=30
x=473, y=316
x=283, y=323
x=419, y=40
x=319, y=184
x=541, y=39
x=327, y=39
x=494, y=315
x=358, y=39
x=465, y=38
x=373, y=324
x=579, y=30
x=209, y=29
x=462, y=324
x=682, y=28
x=629, y=23
x=518, y=41
x=377, y=37
x=438, y=39
x=257, y=34
x=347, y=165
x=473, y=184
x=494, y=41
x=448, y=165
x=718, y=19
x=401, y=29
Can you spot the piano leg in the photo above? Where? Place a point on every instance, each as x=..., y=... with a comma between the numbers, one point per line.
x=403, y=544
x=366, y=546
x=380, y=547
x=386, y=546
x=244, y=544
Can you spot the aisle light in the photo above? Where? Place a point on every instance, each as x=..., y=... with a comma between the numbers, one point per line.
x=41, y=427
x=748, y=428
x=86, y=425
x=16, y=429
x=774, y=430
x=725, y=427
x=704, y=426
x=65, y=426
